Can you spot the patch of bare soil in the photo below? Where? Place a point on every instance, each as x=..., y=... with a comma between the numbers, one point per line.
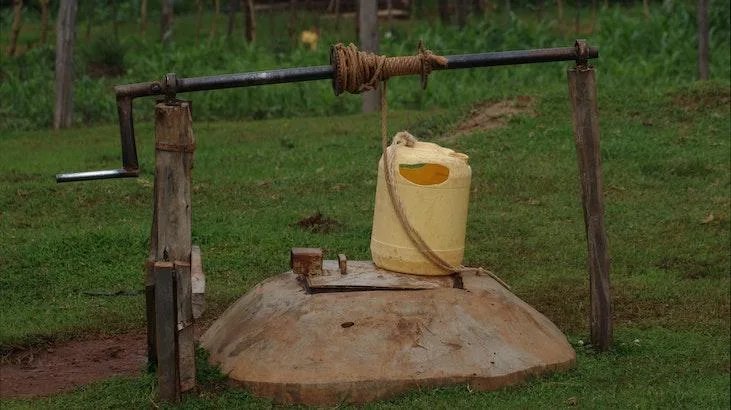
x=51, y=370
x=491, y=115
x=318, y=223
x=702, y=100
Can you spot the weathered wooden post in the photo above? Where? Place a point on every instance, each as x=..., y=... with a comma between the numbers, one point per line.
x=368, y=38
x=582, y=92
x=170, y=253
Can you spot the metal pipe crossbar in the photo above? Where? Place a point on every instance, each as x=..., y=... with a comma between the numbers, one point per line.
x=170, y=86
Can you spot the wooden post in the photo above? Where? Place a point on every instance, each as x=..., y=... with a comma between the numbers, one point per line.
x=702, y=19
x=171, y=229
x=582, y=92
x=368, y=37
x=65, y=39
x=166, y=334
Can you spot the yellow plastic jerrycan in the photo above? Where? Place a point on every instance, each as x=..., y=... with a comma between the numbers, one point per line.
x=433, y=184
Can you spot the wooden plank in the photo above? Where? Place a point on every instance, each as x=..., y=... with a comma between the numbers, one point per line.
x=198, y=282
x=582, y=93
x=150, y=316
x=171, y=232
x=186, y=336
x=166, y=332
x=364, y=275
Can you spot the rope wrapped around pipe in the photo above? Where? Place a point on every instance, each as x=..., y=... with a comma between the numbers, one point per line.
x=360, y=71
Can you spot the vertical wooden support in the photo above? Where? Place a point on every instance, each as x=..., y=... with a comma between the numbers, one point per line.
x=368, y=38
x=171, y=228
x=582, y=92
x=166, y=332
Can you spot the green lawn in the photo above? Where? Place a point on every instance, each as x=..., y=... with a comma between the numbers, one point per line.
x=666, y=156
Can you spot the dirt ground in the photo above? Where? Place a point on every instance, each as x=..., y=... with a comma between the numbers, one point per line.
x=491, y=115
x=51, y=370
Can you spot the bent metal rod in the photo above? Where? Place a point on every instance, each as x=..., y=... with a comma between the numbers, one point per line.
x=170, y=85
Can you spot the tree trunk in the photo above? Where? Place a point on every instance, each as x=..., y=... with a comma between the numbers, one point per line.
x=702, y=18
x=198, y=15
x=507, y=7
x=166, y=22
x=143, y=16
x=559, y=3
x=368, y=37
x=444, y=11
x=272, y=24
x=593, y=15
x=17, y=24
x=214, y=18
x=232, y=9
x=89, y=21
x=44, y=21
x=539, y=10
x=646, y=9
x=115, y=20
x=463, y=9
x=389, y=10
x=249, y=20
x=478, y=7
x=65, y=39
x=577, y=20
x=337, y=17
x=292, y=22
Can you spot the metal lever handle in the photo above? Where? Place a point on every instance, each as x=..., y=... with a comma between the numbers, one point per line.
x=92, y=175
x=130, y=166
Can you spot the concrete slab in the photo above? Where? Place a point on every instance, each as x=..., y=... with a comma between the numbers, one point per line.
x=354, y=347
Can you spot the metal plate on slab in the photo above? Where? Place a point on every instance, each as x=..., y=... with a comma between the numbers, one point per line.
x=364, y=275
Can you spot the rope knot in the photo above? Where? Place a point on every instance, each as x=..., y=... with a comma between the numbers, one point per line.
x=359, y=71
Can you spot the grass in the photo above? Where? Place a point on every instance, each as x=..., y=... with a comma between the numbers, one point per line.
x=667, y=176
x=254, y=180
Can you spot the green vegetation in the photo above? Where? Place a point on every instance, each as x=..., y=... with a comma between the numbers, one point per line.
x=666, y=156
x=634, y=53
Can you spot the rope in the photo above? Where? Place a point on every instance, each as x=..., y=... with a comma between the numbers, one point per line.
x=359, y=71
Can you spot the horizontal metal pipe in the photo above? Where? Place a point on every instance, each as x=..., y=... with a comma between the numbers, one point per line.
x=92, y=175
x=324, y=72
x=170, y=86
x=287, y=75
x=541, y=55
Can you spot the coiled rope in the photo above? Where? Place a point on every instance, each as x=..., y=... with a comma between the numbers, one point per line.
x=357, y=72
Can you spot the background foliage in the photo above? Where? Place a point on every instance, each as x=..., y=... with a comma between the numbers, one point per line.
x=635, y=52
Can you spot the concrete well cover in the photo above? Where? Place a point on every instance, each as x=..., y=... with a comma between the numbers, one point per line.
x=353, y=347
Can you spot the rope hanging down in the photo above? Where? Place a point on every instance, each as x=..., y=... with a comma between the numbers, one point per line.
x=357, y=72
